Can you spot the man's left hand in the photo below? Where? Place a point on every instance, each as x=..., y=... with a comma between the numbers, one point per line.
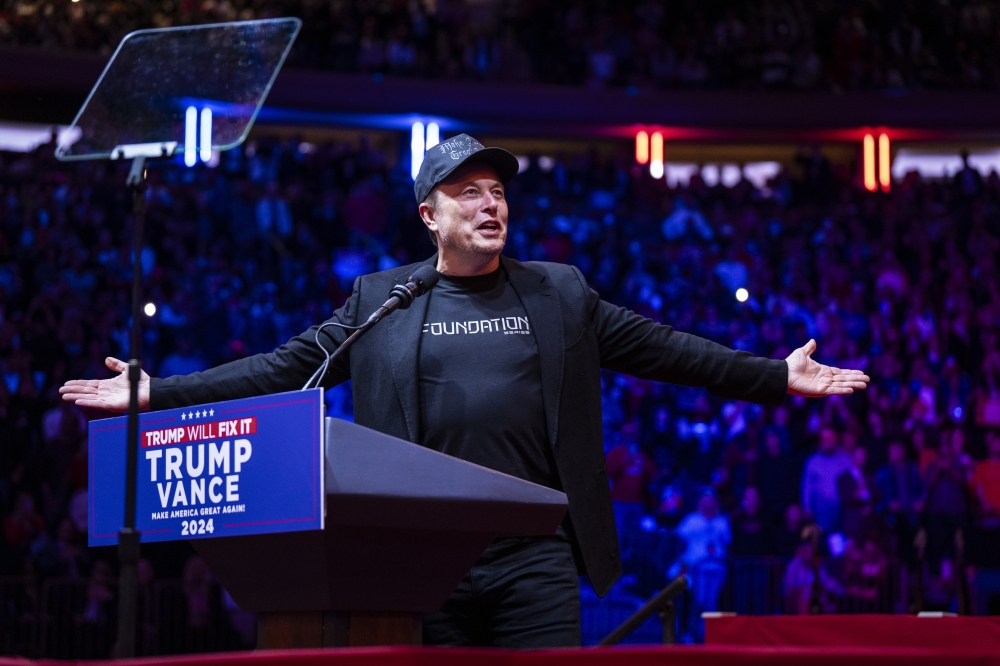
x=810, y=379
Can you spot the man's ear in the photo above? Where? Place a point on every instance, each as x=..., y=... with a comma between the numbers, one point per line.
x=427, y=216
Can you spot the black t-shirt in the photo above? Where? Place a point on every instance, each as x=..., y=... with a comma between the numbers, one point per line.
x=480, y=379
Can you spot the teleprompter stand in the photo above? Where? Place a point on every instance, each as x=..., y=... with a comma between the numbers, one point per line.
x=157, y=97
x=404, y=524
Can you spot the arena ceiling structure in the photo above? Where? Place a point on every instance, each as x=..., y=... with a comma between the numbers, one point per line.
x=48, y=87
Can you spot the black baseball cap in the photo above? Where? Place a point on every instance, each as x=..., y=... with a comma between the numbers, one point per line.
x=442, y=159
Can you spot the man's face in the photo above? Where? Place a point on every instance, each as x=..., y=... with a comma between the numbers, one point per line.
x=468, y=212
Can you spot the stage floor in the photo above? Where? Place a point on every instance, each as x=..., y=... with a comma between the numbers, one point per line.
x=828, y=640
x=860, y=631
x=706, y=655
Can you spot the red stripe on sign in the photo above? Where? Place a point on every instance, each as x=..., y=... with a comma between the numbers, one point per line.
x=199, y=432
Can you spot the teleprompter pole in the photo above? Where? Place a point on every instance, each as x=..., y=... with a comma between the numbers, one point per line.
x=128, y=537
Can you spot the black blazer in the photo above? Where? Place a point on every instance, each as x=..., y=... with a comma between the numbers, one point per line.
x=577, y=334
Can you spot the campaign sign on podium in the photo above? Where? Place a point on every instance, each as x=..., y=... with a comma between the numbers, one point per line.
x=249, y=466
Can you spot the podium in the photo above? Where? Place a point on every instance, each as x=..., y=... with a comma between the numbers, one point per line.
x=403, y=526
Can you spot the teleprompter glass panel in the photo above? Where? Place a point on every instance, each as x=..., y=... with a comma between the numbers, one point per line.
x=189, y=89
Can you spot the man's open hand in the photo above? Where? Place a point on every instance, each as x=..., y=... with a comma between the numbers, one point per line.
x=810, y=379
x=107, y=394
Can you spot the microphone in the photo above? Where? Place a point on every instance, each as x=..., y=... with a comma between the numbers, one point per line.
x=402, y=295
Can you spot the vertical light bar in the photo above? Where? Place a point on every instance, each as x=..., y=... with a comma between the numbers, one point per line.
x=641, y=147
x=190, y=136
x=433, y=136
x=416, y=148
x=206, y=135
x=869, y=163
x=656, y=156
x=884, y=163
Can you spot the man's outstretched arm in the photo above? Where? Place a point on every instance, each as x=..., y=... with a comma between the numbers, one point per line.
x=641, y=347
x=285, y=369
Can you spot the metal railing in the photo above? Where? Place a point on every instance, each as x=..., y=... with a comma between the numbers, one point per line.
x=73, y=618
x=77, y=618
x=662, y=603
x=756, y=586
x=19, y=608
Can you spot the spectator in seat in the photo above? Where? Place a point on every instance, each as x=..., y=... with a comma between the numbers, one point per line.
x=630, y=471
x=866, y=570
x=807, y=585
x=670, y=510
x=947, y=504
x=751, y=528
x=706, y=537
x=751, y=539
x=61, y=556
x=23, y=524
x=901, y=498
x=984, y=540
x=820, y=495
x=986, y=480
x=854, y=489
x=185, y=360
x=785, y=540
x=97, y=607
x=774, y=477
x=925, y=452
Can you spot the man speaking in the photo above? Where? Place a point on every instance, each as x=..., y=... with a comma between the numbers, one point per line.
x=498, y=365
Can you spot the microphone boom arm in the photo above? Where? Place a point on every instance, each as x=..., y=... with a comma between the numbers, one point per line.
x=317, y=376
x=400, y=297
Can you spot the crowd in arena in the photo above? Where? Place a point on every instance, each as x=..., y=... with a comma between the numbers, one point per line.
x=241, y=256
x=644, y=45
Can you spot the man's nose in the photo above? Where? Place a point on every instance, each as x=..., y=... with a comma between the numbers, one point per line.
x=490, y=202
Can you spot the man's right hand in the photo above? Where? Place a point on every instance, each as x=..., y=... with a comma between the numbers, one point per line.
x=107, y=394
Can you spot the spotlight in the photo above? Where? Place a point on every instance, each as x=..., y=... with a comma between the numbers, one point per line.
x=884, y=163
x=417, y=147
x=190, y=136
x=149, y=309
x=742, y=295
x=868, y=150
x=656, y=156
x=206, y=135
x=642, y=148
x=433, y=135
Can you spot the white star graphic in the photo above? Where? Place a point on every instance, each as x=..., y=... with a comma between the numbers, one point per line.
x=190, y=415
x=211, y=412
x=199, y=414
x=183, y=416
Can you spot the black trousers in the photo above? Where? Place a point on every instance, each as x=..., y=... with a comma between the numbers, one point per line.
x=523, y=592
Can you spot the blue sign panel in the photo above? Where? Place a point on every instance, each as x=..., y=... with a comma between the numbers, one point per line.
x=249, y=466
